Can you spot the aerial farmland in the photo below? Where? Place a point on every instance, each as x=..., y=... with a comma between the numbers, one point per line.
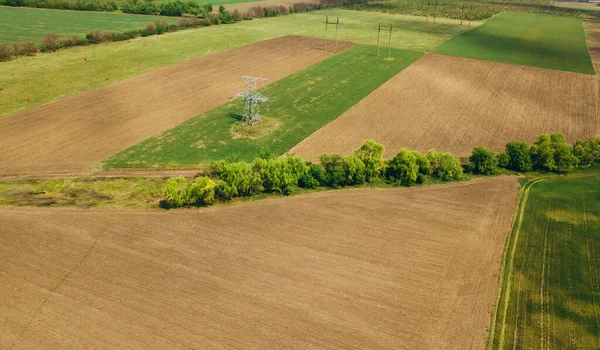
x=278, y=174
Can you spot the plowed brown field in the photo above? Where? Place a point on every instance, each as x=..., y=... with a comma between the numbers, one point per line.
x=357, y=269
x=72, y=134
x=454, y=104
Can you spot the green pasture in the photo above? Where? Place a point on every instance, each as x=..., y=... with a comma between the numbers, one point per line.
x=550, y=284
x=28, y=24
x=31, y=81
x=300, y=103
x=535, y=40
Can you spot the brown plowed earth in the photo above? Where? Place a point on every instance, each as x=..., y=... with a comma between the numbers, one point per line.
x=356, y=269
x=75, y=133
x=453, y=104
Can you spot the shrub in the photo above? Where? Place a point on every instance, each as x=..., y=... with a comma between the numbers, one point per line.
x=371, y=154
x=213, y=18
x=297, y=167
x=314, y=177
x=26, y=48
x=519, y=158
x=587, y=151
x=444, y=166
x=51, y=42
x=403, y=168
x=483, y=161
x=201, y=191
x=176, y=192
x=224, y=190
x=150, y=29
x=424, y=165
x=236, y=15
x=240, y=177
x=552, y=153
x=275, y=175
x=354, y=170
x=6, y=52
x=257, y=11
x=334, y=169
x=161, y=27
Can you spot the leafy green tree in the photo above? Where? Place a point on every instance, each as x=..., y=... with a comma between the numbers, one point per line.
x=240, y=178
x=371, y=154
x=423, y=163
x=297, y=167
x=333, y=165
x=277, y=175
x=503, y=160
x=314, y=177
x=176, y=191
x=201, y=191
x=552, y=153
x=354, y=170
x=483, y=161
x=564, y=158
x=587, y=151
x=519, y=158
x=444, y=166
x=403, y=167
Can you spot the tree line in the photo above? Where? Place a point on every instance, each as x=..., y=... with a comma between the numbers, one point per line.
x=266, y=174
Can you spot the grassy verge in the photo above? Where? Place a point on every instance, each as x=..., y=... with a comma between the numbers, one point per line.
x=535, y=40
x=31, y=81
x=549, y=295
x=300, y=104
x=26, y=24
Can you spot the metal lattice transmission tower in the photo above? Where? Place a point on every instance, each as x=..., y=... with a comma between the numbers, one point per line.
x=252, y=99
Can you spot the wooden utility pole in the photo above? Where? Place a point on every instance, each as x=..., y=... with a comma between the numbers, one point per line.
x=470, y=14
x=435, y=11
x=462, y=13
x=337, y=24
x=378, y=35
x=326, y=24
x=427, y=19
x=390, y=43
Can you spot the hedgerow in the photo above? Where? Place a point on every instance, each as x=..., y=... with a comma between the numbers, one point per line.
x=281, y=175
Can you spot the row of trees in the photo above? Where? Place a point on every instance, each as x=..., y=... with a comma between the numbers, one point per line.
x=225, y=180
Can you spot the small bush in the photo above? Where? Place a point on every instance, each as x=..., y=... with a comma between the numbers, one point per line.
x=275, y=175
x=403, y=168
x=6, y=52
x=201, y=191
x=519, y=158
x=51, y=42
x=483, y=161
x=26, y=48
x=371, y=154
x=236, y=15
x=503, y=160
x=240, y=178
x=552, y=153
x=176, y=192
x=444, y=166
x=424, y=166
x=161, y=27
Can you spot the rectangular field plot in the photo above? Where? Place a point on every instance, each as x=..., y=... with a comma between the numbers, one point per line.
x=72, y=134
x=453, y=104
x=535, y=40
x=383, y=269
x=299, y=105
x=27, y=24
x=550, y=296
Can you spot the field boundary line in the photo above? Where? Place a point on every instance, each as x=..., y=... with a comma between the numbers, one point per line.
x=506, y=270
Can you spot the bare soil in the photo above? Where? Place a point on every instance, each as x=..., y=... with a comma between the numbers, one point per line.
x=75, y=133
x=454, y=104
x=356, y=269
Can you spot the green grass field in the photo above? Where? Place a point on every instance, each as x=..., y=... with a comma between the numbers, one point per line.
x=550, y=284
x=28, y=24
x=31, y=81
x=535, y=40
x=300, y=103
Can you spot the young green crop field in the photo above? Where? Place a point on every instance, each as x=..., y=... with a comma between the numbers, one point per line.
x=31, y=81
x=28, y=24
x=535, y=40
x=550, y=285
x=300, y=104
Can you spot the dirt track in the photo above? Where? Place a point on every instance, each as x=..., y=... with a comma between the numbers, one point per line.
x=357, y=269
x=75, y=133
x=454, y=104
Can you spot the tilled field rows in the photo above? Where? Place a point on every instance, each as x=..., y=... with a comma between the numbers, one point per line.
x=357, y=269
x=72, y=134
x=454, y=104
